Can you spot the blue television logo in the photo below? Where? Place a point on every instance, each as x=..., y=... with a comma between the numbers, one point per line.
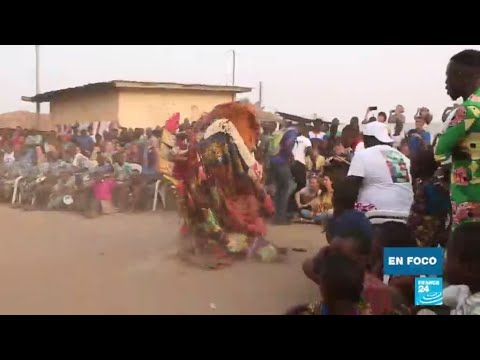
x=428, y=291
x=413, y=261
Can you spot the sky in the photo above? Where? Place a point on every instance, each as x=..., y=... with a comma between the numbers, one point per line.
x=328, y=80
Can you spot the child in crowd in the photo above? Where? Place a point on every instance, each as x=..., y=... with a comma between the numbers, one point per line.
x=352, y=235
x=393, y=234
x=103, y=187
x=462, y=271
x=341, y=285
x=314, y=162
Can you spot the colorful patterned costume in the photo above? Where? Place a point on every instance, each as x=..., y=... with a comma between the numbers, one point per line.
x=319, y=308
x=429, y=217
x=461, y=141
x=222, y=201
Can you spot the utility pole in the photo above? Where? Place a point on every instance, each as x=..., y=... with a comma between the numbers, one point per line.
x=260, y=90
x=234, y=65
x=233, y=71
x=37, y=81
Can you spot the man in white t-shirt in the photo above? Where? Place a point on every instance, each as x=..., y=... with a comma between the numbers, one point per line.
x=381, y=173
x=302, y=147
x=317, y=133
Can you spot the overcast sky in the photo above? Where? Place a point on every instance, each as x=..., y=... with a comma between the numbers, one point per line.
x=332, y=81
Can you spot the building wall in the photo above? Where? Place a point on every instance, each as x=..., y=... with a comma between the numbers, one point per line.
x=152, y=107
x=85, y=107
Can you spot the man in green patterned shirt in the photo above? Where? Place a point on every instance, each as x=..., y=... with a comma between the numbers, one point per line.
x=461, y=140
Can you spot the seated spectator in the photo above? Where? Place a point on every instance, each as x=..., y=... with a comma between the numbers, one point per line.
x=404, y=149
x=344, y=196
x=350, y=139
x=85, y=142
x=462, y=271
x=321, y=207
x=393, y=234
x=122, y=173
x=341, y=285
x=8, y=155
x=309, y=196
x=352, y=235
x=82, y=161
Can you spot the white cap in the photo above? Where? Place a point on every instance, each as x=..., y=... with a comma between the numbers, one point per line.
x=378, y=130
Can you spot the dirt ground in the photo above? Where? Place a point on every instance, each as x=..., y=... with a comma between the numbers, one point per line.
x=60, y=263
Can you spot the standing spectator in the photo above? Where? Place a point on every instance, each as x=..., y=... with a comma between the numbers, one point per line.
x=333, y=132
x=428, y=219
x=382, y=117
x=460, y=140
x=316, y=133
x=381, y=173
x=265, y=139
x=355, y=122
x=397, y=117
x=85, y=142
x=282, y=176
x=419, y=138
x=301, y=149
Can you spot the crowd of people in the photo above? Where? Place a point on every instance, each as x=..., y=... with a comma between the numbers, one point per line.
x=433, y=185
x=81, y=169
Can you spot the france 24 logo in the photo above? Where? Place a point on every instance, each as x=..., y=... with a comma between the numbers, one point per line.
x=428, y=291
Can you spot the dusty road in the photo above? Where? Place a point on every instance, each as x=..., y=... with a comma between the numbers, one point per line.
x=58, y=263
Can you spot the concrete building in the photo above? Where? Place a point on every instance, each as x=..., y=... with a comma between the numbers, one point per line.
x=133, y=104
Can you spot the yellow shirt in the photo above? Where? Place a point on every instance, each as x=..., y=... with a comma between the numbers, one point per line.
x=326, y=202
x=318, y=165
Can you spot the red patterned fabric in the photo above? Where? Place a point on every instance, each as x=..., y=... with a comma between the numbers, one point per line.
x=378, y=295
x=173, y=123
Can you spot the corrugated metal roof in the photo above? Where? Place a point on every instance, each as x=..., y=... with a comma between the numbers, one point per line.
x=45, y=97
x=295, y=118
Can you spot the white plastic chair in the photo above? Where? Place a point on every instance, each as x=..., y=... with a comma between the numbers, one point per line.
x=378, y=217
x=15, y=190
x=160, y=191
